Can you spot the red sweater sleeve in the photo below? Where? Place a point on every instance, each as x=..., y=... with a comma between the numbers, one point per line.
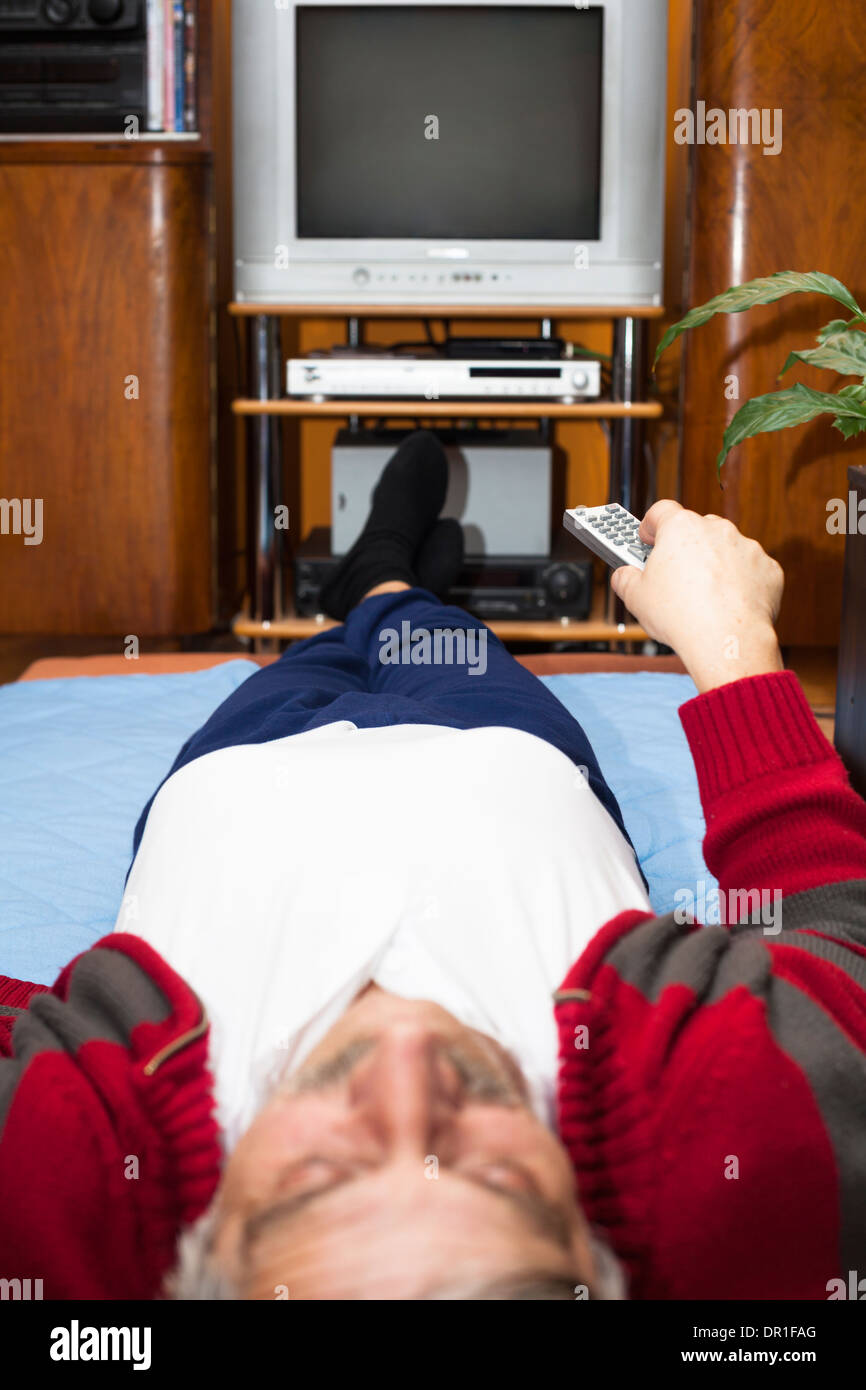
x=15, y=996
x=780, y=812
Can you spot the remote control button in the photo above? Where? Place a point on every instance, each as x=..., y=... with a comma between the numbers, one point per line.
x=637, y=551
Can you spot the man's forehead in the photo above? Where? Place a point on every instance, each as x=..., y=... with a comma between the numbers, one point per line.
x=372, y=1252
x=380, y=1208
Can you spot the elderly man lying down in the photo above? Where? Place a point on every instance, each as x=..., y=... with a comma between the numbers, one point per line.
x=386, y=1014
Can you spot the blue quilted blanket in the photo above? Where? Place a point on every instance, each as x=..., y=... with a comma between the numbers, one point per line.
x=79, y=758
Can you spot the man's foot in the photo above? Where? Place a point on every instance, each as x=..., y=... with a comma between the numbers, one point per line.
x=406, y=502
x=440, y=558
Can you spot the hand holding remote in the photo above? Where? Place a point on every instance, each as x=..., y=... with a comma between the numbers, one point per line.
x=708, y=592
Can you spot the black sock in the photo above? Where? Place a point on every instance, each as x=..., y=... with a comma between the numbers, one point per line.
x=440, y=558
x=406, y=502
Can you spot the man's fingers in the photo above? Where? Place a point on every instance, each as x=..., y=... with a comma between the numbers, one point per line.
x=655, y=517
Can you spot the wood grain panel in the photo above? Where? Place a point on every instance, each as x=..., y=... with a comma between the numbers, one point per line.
x=231, y=485
x=753, y=214
x=663, y=436
x=107, y=277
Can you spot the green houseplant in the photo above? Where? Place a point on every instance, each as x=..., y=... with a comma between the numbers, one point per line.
x=840, y=347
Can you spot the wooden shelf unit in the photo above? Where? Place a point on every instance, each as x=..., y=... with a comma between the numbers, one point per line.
x=107, y=340
x=265, y=403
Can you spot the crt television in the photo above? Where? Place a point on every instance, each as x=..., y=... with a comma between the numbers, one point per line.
x=459, y=153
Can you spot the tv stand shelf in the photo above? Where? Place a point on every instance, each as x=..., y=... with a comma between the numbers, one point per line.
x=451, y=409
x=595, y=628
x=405, y=310
x=266, y=620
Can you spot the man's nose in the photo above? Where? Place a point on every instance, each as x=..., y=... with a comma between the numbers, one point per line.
x=407, y=1087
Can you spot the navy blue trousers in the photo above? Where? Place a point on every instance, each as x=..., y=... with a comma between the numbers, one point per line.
x=340, y=674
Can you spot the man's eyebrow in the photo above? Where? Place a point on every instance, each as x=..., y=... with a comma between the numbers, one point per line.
x=545, y=1217
x=316, y=1078
x=482, y=1083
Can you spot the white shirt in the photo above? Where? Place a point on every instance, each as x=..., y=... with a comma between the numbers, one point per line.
x=470, y=868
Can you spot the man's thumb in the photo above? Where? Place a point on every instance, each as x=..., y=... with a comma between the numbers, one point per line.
x=623, y=580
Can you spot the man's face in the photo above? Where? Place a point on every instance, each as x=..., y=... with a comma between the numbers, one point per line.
x=402, y=1160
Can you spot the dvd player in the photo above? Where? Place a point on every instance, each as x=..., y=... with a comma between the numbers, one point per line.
x=490, y=586
x=361, y=375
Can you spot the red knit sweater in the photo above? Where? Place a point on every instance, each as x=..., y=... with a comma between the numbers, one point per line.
x=716, y=1120
x=712, y=1079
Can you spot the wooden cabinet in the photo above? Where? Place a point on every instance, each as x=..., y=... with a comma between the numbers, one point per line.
x=105, y=390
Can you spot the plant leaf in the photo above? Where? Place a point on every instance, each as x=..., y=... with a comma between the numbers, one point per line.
x=764, y=290
x=849, y=425
x=843, y=351
x=834, y=326
x=794, y=406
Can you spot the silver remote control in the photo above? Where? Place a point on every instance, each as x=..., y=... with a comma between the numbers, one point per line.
x=610, y=532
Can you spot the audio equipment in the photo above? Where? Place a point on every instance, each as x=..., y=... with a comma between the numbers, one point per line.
x=490, y=586
x=70, y=66
x=506, y=349
x=358, y=375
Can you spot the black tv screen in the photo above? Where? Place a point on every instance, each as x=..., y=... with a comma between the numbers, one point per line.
x=477, y=122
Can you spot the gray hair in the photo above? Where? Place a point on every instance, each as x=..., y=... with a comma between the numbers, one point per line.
x=197, y=1276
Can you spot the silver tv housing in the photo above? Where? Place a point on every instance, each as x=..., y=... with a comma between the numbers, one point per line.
x=622, y=266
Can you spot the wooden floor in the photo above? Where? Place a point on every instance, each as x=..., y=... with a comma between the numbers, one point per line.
x=815, y=666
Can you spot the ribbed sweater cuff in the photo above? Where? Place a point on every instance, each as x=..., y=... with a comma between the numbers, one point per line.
x=749, y=728
x=16, y=994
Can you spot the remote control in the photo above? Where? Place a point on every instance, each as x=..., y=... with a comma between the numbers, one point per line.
x=610, y=532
